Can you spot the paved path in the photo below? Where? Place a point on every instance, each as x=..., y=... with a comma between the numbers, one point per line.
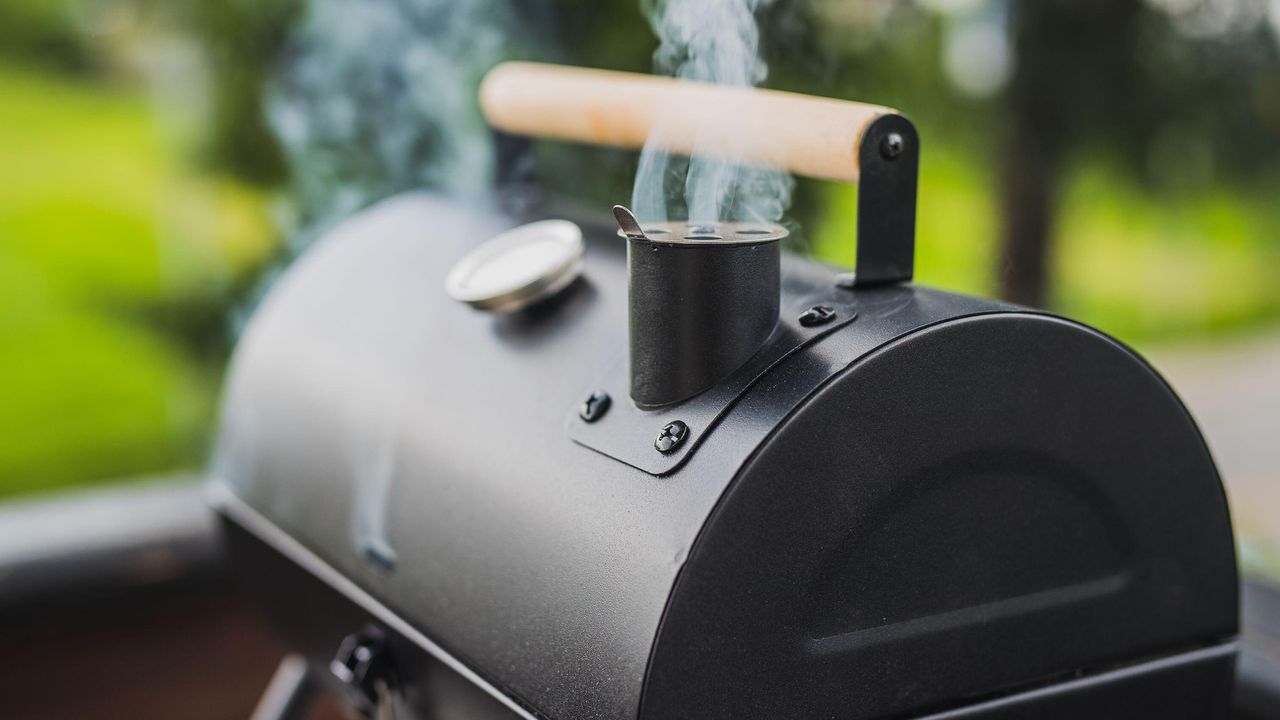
x=1233, y=390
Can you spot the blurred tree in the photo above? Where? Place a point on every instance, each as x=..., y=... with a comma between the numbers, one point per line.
x=242, y=42
x=1177, y=100
x=40, y=32
x=1074, y=58
x=1182, y=95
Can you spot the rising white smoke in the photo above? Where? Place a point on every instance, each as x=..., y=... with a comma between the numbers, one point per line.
x=713, y=41
x=378, y=96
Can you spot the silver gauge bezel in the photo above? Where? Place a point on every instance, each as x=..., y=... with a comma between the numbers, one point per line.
x=562, y=240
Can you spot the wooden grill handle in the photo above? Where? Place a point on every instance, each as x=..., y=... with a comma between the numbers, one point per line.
x=803, y=134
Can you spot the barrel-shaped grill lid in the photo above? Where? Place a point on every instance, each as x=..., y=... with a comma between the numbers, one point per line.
x=418, y=451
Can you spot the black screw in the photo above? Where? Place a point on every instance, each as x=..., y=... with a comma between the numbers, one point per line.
x=817, y=315
x=892, y=146
x=595, y=406
x=672, y=436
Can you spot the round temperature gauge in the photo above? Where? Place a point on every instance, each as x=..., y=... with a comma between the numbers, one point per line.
x=519, y=267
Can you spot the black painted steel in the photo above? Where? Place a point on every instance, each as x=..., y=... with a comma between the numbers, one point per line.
x=623, y=434
x=698, y=311
x=887, y=201
x=941, y=503
x=1190, y=685
x=1004, y=500
x=316, y=617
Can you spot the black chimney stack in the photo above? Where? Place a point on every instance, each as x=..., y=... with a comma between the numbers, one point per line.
x=703, y=299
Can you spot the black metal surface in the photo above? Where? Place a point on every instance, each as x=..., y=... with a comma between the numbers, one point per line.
x=1189, y=686
x=316, y=622
x=983, y=505
x=625, y=434
x=364, y=409
x=412, y=421
x=697, y=313
x=888, y=161
x=1257, y=691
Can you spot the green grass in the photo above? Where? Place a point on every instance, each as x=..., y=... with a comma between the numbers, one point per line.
x=99, y=234
x=1142, y=267
x=1147, y=268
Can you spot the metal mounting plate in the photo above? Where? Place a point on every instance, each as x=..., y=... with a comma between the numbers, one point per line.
x=627, y=433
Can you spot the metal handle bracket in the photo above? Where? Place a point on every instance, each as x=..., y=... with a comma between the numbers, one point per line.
x=888, y=159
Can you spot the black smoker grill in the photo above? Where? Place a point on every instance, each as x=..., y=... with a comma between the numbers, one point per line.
x=786, y=492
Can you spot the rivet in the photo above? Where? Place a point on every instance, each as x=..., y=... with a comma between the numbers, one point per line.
x=817, y=315
x=595, y=406
x=362, y=663
x=892, y=146
x=672, y=436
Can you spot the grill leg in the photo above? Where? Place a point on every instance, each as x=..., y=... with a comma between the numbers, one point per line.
x=290, y=693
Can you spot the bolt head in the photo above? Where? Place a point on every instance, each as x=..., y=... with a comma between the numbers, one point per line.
x=892, y=145
x=595, y=406
x=817, y=315
x=361, y=662
x=671, y=437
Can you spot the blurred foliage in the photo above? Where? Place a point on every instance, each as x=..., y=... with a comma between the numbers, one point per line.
x=115, y=272
x=1142, y=267
x=241, y=42
x=130, y=234
x=1161, y=130
x=43, y=32
x=126, y=239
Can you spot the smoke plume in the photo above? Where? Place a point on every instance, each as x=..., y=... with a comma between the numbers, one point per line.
x=378, y=96
x=714, y=41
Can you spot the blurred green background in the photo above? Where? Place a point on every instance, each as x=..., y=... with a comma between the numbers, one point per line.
x=1118, y=162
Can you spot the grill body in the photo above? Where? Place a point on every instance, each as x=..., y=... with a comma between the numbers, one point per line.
x=939, y=505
